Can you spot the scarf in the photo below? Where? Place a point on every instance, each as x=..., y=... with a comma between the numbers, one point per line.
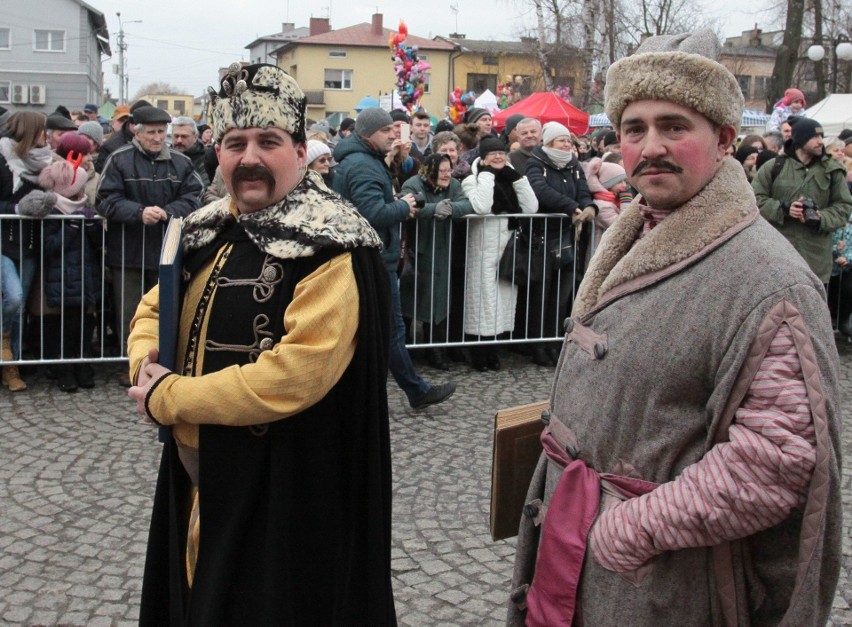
x=505, y=198
x=559, y=158
x=608, y=196
x=70, y=207
x=25, y=169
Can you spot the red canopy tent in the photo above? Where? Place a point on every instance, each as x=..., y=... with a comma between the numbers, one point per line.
x=546, y=107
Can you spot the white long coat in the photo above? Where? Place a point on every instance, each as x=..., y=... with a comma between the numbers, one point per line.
x=489, y=302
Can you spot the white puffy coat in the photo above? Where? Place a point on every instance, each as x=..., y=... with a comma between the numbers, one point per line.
x=489, y=303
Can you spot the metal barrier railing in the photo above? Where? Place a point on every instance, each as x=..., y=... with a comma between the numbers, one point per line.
x=451, y=290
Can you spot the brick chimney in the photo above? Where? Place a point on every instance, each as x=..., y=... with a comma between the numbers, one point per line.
x=319, y=25
x=377, y=29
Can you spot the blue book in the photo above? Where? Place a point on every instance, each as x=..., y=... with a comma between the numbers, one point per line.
x=171, y=292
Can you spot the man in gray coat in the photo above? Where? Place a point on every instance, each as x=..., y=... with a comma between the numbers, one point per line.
x=691, y=465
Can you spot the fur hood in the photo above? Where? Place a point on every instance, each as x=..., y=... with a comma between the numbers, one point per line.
x=725, y=206
x=309, y=218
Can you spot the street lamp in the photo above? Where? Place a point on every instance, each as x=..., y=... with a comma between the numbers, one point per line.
x=842, y=50
x=122, y=72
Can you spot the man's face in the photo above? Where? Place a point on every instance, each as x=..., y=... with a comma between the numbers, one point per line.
x=529, y=135
x=484, y=124
x=92, y=115
x=420, y=128
x=152, y=137
x=750, y=161
x=786, y=130
x=117, y=124
x=813, y=147
x=54, y=136
x=183, y=137
x=260, y=166
x=450, y=149
x=670, y=151
x=383, y=139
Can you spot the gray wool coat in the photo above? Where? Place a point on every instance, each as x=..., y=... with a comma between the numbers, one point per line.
x=684, y=318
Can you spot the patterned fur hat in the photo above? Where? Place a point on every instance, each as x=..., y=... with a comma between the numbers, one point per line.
x=257, y=96
x=678, y=68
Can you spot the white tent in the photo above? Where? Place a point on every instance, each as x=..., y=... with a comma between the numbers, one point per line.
x=834, y=113
x=487, y=100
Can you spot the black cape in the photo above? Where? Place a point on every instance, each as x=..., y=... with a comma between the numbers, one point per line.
x=295, y=525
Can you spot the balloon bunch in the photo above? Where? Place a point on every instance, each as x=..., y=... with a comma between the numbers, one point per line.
x=409, y=69
x=564, y=92
x=459, y=102
x=505, y=95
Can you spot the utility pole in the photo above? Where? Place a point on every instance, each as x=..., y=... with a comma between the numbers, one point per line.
x=121, y=47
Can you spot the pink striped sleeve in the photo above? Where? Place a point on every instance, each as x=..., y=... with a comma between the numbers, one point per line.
x=750, y=483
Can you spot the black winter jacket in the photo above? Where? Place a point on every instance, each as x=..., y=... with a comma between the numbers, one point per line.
x=71, y=272
x=17, y=235
x=133, y=180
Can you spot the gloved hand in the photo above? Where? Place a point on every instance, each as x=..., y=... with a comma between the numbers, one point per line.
x=37, y=204
x=785, y=208
x=586, y=215
x=444, y=209
x=510, y=174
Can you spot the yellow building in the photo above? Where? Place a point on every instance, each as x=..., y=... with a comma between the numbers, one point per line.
x=751, y=58
x=337, y=68
x=175, y=104
x=478, y=65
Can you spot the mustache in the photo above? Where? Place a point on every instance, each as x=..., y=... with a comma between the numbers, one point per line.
x=252, y=173
x=656, y=165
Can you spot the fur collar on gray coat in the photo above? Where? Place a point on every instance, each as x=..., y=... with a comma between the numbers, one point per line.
x=726, y=203
x=309, y=218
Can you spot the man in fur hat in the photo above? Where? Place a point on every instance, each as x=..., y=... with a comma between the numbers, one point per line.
x=273, y=502
x=691, y=468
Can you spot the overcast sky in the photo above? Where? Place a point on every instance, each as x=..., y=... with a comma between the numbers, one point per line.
x=184, y=43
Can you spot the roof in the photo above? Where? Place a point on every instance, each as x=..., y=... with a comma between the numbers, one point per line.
x=486, y=46
x=290, y=35
x=99, y=26
x=362, y=35
x=748, y=51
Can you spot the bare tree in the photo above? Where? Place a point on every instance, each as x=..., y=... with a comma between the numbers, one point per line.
x=788, y=52
x=158, y=87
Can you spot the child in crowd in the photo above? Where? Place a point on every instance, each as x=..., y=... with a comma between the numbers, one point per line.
x=71, y=286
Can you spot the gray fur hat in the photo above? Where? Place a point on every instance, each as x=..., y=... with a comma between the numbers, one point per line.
x=257, y=96
x=371, y=120
x=678, y=68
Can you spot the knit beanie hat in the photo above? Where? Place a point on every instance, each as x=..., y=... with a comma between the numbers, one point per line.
x=744, y=152
x=64, y=178
x=92, y=130
x=551, y=131
x=317, y=149
x=257, y=96
x=803, y=130
x=511, y=123
x=490, y=144
x=371, y=120
x=473, y=114
x=609, y=138
x=845, y=135
x=602, y=176
x=792, y=95
x=678, y=68
x=398, y=115
x=763, y=156
x=347, y=124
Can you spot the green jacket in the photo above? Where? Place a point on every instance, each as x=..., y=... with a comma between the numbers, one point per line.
x=824, y=181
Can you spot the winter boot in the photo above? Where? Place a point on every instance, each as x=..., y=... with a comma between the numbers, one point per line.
x=11, y=377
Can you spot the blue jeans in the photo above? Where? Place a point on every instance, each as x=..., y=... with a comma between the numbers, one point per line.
x=16, y=278
x=399, y=361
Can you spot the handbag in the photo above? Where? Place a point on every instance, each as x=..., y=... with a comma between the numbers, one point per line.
x=560, y=247
x=520, y=263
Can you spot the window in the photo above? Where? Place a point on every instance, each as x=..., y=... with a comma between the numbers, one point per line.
x=480, y=82
x=760, y=85
x=5, y=39
x=180, y=107
x=339, y=54
x=338, y=79
x=426, y=78
x=5, y=90
x=49, y=40
x=489, y=60
x=745, y=84
x=161, y=104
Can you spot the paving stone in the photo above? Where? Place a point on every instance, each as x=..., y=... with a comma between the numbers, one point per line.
x=75, y=503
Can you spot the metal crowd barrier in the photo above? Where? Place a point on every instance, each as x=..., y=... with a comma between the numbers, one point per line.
x=449, y=277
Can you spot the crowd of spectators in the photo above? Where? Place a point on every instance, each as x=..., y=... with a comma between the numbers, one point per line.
x=453, y=288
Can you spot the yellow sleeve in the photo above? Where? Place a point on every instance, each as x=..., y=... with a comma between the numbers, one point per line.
x=321, y=323
x=144, y=330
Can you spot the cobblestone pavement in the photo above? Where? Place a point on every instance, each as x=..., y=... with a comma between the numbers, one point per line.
x=77, y=476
